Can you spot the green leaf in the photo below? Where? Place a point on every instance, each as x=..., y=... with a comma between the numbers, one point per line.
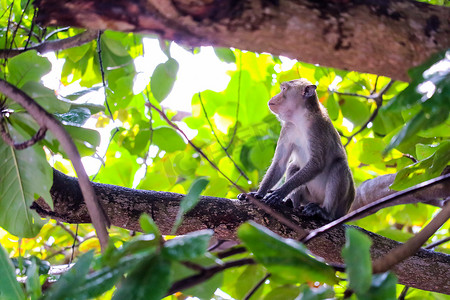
x=225, y=55
x=332, y=106
x=75, y=117
x=163, y=79
x=149, y=226
x=9, y=287
x=150, y=280
x=383, y=287
x=426, y=169
x=25, y=263
x=285, y=258
x=354, y=110
x=86, y=140
x=33, y=285
x=284, y=292
x=71, y=280
x=140, y=246
x=189, y=246
x=168, y=139
x=320, y=293
x=25, y=173
x=45, y=97
x=98, y=282
x=27, y=66
x=371, y=150
x=190, y=200
x=357, y=260
x=78, y=94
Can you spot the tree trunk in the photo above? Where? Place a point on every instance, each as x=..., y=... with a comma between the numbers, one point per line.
x=381, y=37
x=427, y=270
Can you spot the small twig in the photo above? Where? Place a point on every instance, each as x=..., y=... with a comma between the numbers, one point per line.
x=216, y=245
x=102, y=71
x=56, y=31
x=378, y=101
x=231, y=252
x=256, y=287
x=217, y=139
x=407, y=249
x=410, y=157
x=45, y=120
x=438, y=243
x=56, y=45
x=207, y=273
x=282, y=219
x=74, y=235
x=39, y=135
x=73, y=244
x=193, y=266
x=18, y=24
x=374, y=205
x=31, y=28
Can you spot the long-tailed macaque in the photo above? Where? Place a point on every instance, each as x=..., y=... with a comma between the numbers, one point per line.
x=310, y=152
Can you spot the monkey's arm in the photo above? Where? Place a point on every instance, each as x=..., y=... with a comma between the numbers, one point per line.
x=276, y=169
x=313, y=167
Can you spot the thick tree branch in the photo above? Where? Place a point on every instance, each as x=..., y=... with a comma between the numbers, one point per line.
x=55, y=45
x=48, y=121
x=381, y=37
x=426, y=269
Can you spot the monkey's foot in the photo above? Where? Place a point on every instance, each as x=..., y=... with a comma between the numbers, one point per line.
x=314, y=210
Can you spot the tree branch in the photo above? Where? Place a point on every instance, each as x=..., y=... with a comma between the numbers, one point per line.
x=426, y=269
x=349, y=35
x=55, y=45
x=46, y=120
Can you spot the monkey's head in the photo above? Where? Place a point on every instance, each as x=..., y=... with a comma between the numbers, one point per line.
x=295, y=95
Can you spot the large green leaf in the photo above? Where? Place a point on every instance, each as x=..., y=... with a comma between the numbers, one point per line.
x=383, y=287
x=225, y=55
x=163, y=79
x=71, y=280
x=9, y=287
x=150, y=280
x=28, y=66
x=190, y=200
x=284, y=258
x=25, y=174
x=168, y=139
x=188, y=246
x=357, y=260
x=45, y=97
x=426, y=169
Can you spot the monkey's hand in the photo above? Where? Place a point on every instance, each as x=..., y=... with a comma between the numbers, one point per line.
x=275, y=198
x=255, y=195
x=314, y=210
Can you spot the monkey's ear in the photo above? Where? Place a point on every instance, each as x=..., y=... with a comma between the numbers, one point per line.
x=309, y=91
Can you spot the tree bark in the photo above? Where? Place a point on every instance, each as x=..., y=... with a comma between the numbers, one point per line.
x=427, y=270
x=382, y=37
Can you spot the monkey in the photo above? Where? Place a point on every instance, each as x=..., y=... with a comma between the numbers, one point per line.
x=310, y=152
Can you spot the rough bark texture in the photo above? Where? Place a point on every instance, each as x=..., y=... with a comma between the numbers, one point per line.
x=426, y=270
x=383, y=37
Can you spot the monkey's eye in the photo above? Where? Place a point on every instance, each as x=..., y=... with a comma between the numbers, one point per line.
x=283, y=88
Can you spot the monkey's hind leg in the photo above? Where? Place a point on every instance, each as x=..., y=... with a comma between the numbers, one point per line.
x=339, y=191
